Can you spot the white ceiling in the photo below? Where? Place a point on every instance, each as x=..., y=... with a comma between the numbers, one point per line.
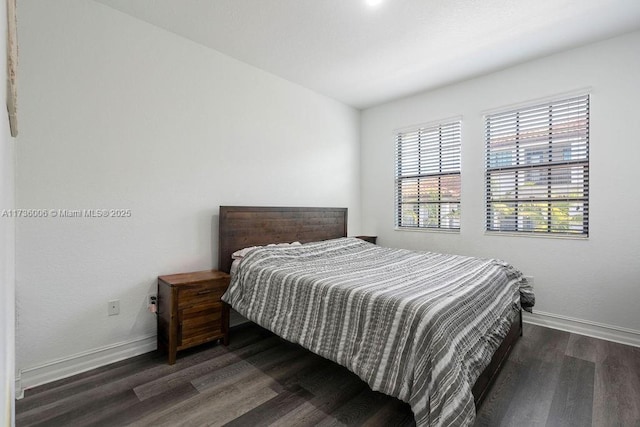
x=364, y=56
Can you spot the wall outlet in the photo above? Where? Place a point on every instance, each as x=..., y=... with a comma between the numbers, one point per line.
x=529, y=280
x=113, y=307
x=152, y=304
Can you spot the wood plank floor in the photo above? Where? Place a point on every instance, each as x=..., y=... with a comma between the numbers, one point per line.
x=552, y=378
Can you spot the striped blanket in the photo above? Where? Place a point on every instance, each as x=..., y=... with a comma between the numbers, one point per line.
x=419, y=326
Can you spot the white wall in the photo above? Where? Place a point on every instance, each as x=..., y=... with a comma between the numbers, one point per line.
x=116, y=113
x=7, y=264
x=7, y=249
x=592, y=283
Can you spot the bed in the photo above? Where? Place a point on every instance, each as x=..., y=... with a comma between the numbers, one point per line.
x=370, y=309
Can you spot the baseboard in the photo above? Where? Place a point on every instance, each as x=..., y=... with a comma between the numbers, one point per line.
x=584, y=327
x=81, y=362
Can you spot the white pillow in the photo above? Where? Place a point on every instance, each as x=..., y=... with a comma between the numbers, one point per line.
x=242, y=252
x=285, y=244
x=239, y=254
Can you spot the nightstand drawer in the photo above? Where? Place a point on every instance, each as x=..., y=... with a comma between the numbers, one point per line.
x=198, y=336
x=199, y=315
x=199, y=323
x=201, y=292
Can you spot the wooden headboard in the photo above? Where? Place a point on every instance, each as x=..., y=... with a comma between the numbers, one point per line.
x=244, y=226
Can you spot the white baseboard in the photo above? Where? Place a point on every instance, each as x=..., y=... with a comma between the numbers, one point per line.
x=584, y=327
x=81, y=362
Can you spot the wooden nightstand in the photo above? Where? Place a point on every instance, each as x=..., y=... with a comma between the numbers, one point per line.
x=370, y=239
x=190, y=311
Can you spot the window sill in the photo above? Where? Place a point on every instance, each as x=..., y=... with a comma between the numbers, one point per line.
x=536, y=235
x=428, y=230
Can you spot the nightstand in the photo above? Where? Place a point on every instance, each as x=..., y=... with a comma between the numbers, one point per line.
x=370, y=239
x=190, y=311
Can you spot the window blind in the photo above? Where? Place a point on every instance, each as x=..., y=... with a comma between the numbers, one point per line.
x=537, y=169
x=428, y=177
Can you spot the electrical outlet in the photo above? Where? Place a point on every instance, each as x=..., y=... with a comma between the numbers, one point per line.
x=152, y=306
x=529, y=280
x=113, y=307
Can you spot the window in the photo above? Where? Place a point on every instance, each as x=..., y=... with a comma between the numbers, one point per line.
x=428, y=177
x=537, y=169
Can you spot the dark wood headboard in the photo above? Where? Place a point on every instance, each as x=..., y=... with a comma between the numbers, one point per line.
x=244, y=226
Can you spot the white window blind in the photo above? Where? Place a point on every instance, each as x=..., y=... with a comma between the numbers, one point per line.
x=537, y=169
x=428, y=177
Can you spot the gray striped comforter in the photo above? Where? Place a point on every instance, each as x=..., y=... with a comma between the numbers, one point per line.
x=419, y=326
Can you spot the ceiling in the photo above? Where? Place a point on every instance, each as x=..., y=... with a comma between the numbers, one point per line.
x=363, y=55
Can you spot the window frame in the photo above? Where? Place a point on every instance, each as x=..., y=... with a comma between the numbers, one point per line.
x=448, y=175
x=566, y=214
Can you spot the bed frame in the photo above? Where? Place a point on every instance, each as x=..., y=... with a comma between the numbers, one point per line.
x=244, y=226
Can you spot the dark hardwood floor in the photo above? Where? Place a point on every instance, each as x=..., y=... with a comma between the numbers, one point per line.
x=552, y=378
